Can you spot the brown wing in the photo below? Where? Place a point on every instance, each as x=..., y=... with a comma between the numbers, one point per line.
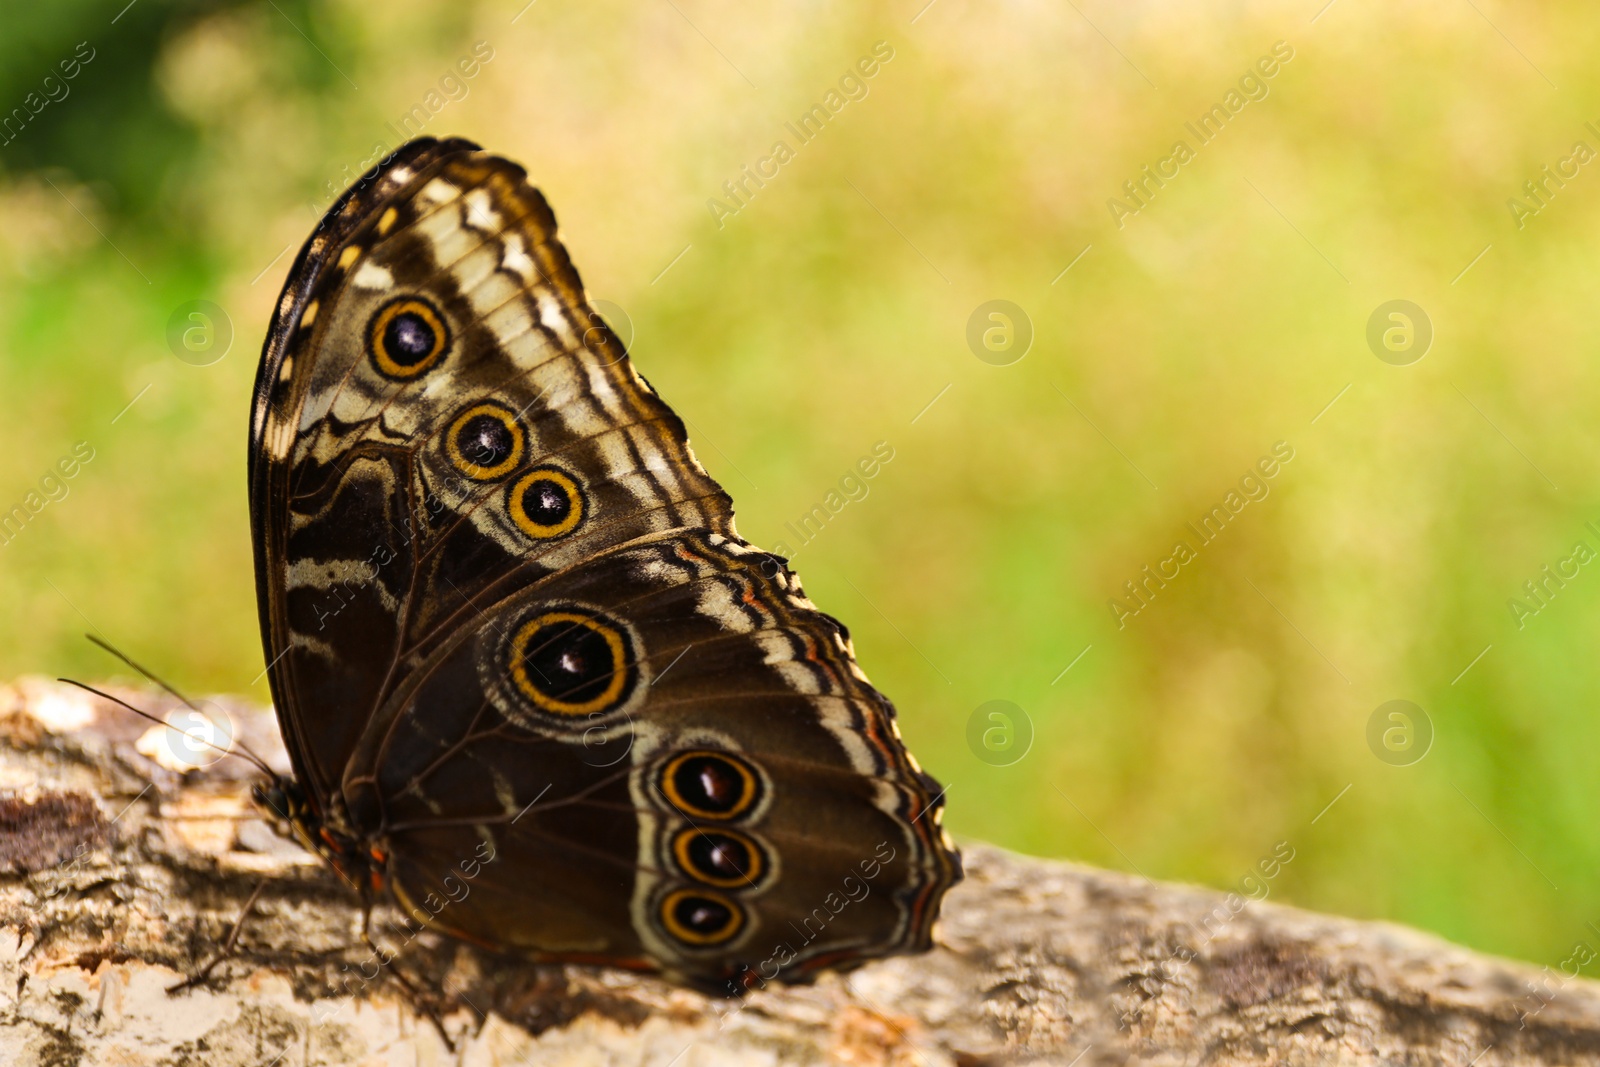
x=742, y=771
x=372, y=534
x=478, y=533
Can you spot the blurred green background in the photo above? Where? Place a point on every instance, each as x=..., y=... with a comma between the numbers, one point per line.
x=196, y=149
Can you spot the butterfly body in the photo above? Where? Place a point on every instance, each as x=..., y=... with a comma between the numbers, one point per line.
x=533, y=683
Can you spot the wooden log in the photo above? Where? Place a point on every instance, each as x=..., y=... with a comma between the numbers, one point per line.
x=121, y=872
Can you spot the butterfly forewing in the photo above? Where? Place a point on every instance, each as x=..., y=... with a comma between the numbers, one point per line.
x=519, y=652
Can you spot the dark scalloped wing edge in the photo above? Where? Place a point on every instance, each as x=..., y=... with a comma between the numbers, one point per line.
x=346, y=214
x=353, y=207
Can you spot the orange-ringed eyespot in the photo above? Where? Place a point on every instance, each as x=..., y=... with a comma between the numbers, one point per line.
x=547, y=502
x=485, y=442
x=718, y=857
x=570, y=662
x=701, y=917
x=710, y=785
x=407, y=337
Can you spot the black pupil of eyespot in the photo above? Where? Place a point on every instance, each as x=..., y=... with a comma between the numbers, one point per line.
x=486, y=440
x=546, y=503
x=408, y=339
x=569, y=662
x=720, y=856
x=702, y=914
x=709, y=783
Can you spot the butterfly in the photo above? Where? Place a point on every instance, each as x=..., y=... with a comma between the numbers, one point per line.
x=535, y=688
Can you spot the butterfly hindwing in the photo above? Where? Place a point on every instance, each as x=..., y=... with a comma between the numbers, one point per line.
x=514, y=635
x=720, y=672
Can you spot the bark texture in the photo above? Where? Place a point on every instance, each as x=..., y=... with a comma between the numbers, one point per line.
x=120, y=872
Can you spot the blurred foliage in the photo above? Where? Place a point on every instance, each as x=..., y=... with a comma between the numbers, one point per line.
x=199, y=146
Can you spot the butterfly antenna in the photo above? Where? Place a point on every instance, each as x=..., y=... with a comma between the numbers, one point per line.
x=243, y=751
x=148, y=675
x=171, y=690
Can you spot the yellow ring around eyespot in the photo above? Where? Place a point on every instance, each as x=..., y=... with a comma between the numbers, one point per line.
x=477, y=471
x=380, y=325
x=519, y=671
x=680, y=852
x=670, y=788
x=524, y=521
x=695, y=937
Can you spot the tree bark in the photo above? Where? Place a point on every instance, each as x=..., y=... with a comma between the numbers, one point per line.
x=120, y=873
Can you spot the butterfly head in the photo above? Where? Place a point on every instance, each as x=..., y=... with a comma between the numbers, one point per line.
x=285, y=804
x=293, y=816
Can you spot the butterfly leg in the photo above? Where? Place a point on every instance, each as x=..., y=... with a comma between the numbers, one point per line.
x=421, y=1003
x=228, y=943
